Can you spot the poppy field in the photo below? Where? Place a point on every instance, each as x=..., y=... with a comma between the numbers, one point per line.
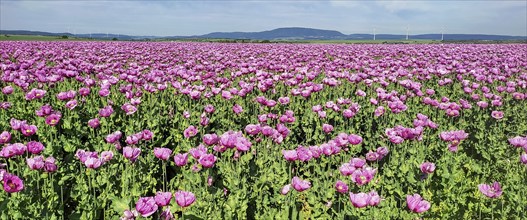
x=172, y=130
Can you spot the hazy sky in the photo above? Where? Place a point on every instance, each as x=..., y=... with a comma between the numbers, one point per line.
x=168, y=18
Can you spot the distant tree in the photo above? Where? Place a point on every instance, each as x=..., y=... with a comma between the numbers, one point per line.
x=64, y=37
x=6, y=35
x=114, y=39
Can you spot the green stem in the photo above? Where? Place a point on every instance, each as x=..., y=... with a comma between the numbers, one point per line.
x=492, y=208
x=164, y=176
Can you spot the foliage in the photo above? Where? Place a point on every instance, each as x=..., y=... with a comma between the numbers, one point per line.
x=166, y=82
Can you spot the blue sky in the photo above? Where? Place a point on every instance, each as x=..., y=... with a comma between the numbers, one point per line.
x=169, y=18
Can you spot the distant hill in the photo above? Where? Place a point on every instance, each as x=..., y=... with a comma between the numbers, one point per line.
x=298, y=33
x=24, y=32
x=288, y=33
x=293, y=33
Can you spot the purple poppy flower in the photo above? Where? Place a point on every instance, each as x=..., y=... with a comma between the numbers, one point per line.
x=210, y=180
x=196, y=152
x=35, y=94
x=358, y=162
x=5, y=137
x=146, y=135
x=427, y=167
x=226, y=95
x=252, y=129
x=347, y=113
x=285, y=189
x=113, y=137
x=518, y=141
x=163, y=198
x=129, y=108
x=452, y=147
x=45, y=110
x=134, y=139
x=417, y=204
x=372, y=156
x=66, y=95
x=181, y=159
x=363, y=176
x=184, y=198
x=493, y=191
x=12, y=150
x=354, y=139
x=186, y=114
x=284, y=100
x=360, y=93
x=104, y=92
x=162, y=153
x=129, y=215
x=375, y=199
x=237, y=109
x=379, y=111
x=232, y=139
x=135, y=101
x=304, y=154
x=195, y=168
x=106, y=156
x=16, y=124
x=84, y=91
x=341, y=187
x=35, y=163
x=382, y=151
x=327, y=128
x=209, y=108
x=267, y=131
x=131, y=153
x=35, y=147
x=359, y=200
x=497, y=114
x=82, y=155
x=71, y=104
x=207, y=160
x=7, y=90
x=106, y=111
x=282, y=129
x=299, y=184
x=210, y=139
x=166, y=214
x=94, y=123
x=12, y=183
x=191, y=131
x=204, y=120
x=146, y=206
x=5, y=105
x=50, y=165
x=242, y=143
x=2, y=173
x=28, y=130
x=347, y=169
x=53, y=119
x=523, y=158
x=93, y=163
x=290, y=155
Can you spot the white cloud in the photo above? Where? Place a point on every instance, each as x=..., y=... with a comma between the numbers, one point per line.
x=200, y=17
